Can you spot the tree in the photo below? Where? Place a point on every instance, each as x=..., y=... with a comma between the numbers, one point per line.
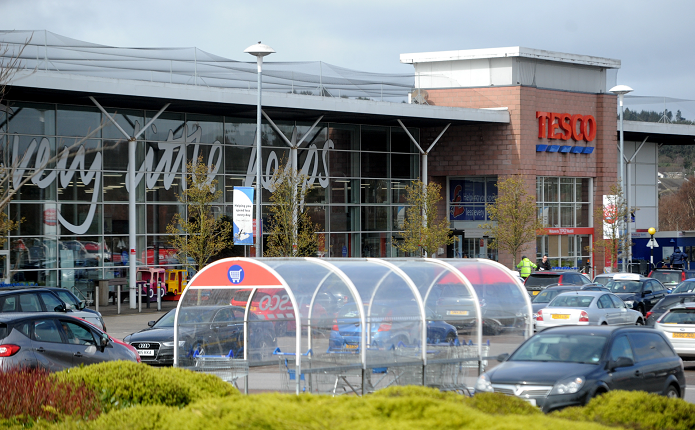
x=422, y=230
x=677, y=211
x=514, y=215
x=612, y=215
x=291, y=233
x=203, y=236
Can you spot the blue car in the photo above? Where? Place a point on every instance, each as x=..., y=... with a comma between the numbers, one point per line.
x=392, y=325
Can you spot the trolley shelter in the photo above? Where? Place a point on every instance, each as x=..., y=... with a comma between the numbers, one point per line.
x=341, y=326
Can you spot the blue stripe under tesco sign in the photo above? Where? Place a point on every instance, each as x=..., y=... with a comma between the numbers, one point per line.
x=565, y=149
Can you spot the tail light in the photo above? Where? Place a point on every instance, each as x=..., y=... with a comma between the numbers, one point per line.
x=682, y=276
x=335, y=325
x=8, y=350
x=539, y=315
x=648, y=314
x=583, y=317
x=384, y=327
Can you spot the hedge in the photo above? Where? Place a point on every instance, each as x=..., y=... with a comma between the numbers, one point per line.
x=122, y=383
x=634, y=410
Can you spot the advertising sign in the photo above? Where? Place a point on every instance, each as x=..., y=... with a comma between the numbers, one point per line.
x=243, y=215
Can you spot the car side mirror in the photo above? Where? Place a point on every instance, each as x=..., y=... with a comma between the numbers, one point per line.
x=81, y=305
x=60, y=308
x=104, y=340
x=151, y=323
x=622, y=362
x=503, y=357
x=646, y=292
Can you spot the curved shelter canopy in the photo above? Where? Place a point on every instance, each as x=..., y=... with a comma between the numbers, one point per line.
x=349, y=325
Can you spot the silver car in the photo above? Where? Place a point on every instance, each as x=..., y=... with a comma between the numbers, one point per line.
x=586, y=308
x=55, y=341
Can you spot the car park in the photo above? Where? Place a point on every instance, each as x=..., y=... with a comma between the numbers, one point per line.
x=47, y=299
x=638, y=293
x=586, y=308
x=667, y=303
x=678, y=324
x=55, y=342
x=568, y=366
x=686, y=286
x=211, y=330
x=539, y=280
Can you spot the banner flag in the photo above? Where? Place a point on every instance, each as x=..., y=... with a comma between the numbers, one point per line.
x=243, y=215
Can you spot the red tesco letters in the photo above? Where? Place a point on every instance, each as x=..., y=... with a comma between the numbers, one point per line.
x=564, y=126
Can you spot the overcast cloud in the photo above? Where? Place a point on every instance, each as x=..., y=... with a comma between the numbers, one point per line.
x=653, y=39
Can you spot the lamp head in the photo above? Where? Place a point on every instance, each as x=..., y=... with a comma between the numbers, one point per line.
x=259, y=50
x=651, y=230
x=621, y=89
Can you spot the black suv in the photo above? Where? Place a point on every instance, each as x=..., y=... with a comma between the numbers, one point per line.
x=638, y=293
x=537, y=281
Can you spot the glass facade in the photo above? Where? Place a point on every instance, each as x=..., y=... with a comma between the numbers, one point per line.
x=564, y=203
x=75, y=210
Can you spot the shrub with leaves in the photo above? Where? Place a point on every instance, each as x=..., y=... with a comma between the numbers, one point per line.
x=635, y=410
x=27, y=395
x=123, y=383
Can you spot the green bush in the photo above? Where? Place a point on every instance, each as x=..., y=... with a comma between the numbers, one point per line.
x=396, y=409
x=635, y=410
x=122, y=383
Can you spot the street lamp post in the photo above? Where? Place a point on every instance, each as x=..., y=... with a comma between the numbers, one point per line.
x=651, y=231
x=259, y=51
x=621, y=90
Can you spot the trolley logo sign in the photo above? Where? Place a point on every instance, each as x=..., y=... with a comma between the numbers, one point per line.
x=235, y=274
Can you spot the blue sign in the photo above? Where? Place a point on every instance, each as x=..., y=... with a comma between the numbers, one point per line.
x=243, y=215
x=124, y=257
x=235, y=274
x=344, y=251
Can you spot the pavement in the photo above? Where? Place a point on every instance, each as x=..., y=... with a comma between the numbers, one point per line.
x=131, y=320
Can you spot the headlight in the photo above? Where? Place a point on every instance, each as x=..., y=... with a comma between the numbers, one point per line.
x=629, y=303
x=484, y=384
x=568, y=386
x=182, y=343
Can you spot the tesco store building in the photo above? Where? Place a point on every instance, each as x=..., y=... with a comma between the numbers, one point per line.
x=490, y=114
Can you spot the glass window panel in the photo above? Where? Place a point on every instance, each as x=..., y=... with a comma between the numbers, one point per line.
x=211, y=155
x=159, y=193
x=91, y=148
x=400, y=141
x=160, y=216
x=344, y=244
x=550, y=190
x=318, y=216
x=398, y=191
x=311, y=162
x=76, y=121
x=374, y=165
x=583, y=189
x=31, y=191
x=23, y=143
x=237, y=159
x=230, y=183
x=566, y=189
x=583, y=215
x=398, y=215
x=344, y=218
x=567, y=215
x=131, y=121
x=116, y=219
x=539, y=189
x=584, y=246
x=404, y=166
x=32, y=118
x=159, y=251
x=491, y=190
x=374, y=191
x=315, y=193
x=375, y=218
x=344, y=164
x=77, y=215
x=77, y=191
x=345, y=190
x=211, y=127
x=317, y=136
x=32, y=253
x=115, y=154
x=166, y=124
x=32, y=212
x=114, y=187
x=344, y=136
x=270, y=137
x=375, y=245
x=374, y=138
x=239, y=132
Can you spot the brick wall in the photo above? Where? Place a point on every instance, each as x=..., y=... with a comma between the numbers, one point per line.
x=510, y=149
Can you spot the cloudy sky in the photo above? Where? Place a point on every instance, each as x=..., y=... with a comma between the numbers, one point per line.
x=655, y=40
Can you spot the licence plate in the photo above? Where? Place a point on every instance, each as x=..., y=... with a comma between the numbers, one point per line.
x=535, y=293
x=350, y=346
x=684, y=335
x=146, y=352
x=457, y=312
x=560, y=316
x=531, y=401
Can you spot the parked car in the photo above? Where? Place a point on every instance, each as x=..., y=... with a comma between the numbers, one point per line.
x=209, y=330
x=670, y=278
x=455, y=304
x=55, y=342
x=638, y=293
x=604, y=278
x=539, y=280
x=594, y=287
x=586, y=308
x=667, y=303
x=548, y=294
x=568, y=366
x=678, y=324
x=686, y=286
x=391, y=326
x=47, y=299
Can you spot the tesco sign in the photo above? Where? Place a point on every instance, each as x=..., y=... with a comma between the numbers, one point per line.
x=563, y=126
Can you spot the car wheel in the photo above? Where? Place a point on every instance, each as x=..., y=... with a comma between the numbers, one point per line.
x=640, y=309
x=604, y=323
x=672, y=392
x=639, y=321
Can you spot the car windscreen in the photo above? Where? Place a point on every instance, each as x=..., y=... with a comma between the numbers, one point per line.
x=685, y=287
x=571, y=301
x=186, y=316
x=547, y=295
x=568, y=348
x=603, y=280
x=667, y=277
x=618, y=287
x=69, y=299
x=541, y=280
x=679, y=316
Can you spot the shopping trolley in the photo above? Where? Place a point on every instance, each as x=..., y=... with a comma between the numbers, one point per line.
x=235, y=276
x=225, y=367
